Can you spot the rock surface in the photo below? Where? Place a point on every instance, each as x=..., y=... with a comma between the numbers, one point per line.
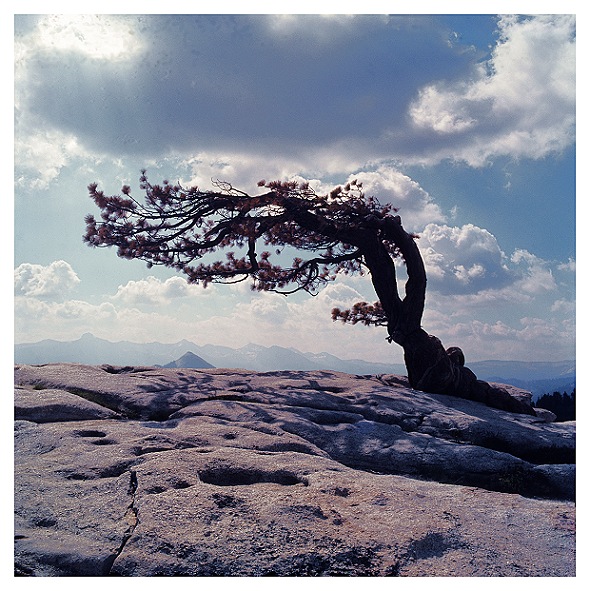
x=151, y=471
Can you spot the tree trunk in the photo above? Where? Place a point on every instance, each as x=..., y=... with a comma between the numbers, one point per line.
x=430, y=367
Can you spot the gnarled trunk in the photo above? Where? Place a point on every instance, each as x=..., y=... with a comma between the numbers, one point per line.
x=430, y=367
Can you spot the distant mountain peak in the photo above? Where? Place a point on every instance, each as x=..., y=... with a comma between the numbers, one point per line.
x=190, y=360
x=87, y=336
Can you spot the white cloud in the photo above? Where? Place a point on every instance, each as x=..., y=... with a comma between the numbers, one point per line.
x=97, y=36
x=522, y=338
x=535, y=329
x=392, y=186
x=153, y=291
x=537, y=275
x=521, y=103
x=469, y=274
x=36, y=319
x=386, y=183
x=462, y=259
x=262, y=310
x=530, y=284
x=242, y=170
x=40, y=155
x=439, y=110
x=569, y=266
x=317, y=29
x=54, y=281
x=564, y=306
x=493, y=323
x=305, y=322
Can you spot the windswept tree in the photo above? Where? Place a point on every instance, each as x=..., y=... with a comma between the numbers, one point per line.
x=341, y=232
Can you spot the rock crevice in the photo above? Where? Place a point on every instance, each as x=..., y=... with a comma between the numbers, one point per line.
x=131, y=518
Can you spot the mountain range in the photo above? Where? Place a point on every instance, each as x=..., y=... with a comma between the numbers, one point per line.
x=537, y=377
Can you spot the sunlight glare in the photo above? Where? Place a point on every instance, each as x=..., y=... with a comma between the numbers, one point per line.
x=97, y=36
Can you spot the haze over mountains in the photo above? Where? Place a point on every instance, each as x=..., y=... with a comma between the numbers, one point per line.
x=537, y=377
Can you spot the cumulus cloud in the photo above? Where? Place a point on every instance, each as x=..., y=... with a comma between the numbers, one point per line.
x=537, y=276
x=40, y=155
x=153, y=291
x=480, y=315
x=468, y=264
x=464, y=259
x=304, y=322
x=564, y=306
x=51, y=282
x=67, y=320
x=37, y=319
x=569, y=266
x=492, y=323
x=520, y=103
x=390, y=185
x=243, y=170
x=506, y=331
x=385, y=182
x=261, y=310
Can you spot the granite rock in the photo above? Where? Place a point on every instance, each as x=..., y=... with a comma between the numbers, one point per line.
x=217, y=472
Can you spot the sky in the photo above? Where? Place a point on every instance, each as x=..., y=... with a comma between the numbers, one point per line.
x=465, y=122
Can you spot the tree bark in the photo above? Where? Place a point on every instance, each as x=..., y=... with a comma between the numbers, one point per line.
x=430, y=367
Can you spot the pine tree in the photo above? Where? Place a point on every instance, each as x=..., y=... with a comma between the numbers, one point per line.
x=341, y=232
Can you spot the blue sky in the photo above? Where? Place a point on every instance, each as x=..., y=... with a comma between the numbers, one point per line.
x=465, y=122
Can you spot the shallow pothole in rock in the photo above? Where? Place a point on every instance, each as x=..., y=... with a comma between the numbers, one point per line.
x=235, y=476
